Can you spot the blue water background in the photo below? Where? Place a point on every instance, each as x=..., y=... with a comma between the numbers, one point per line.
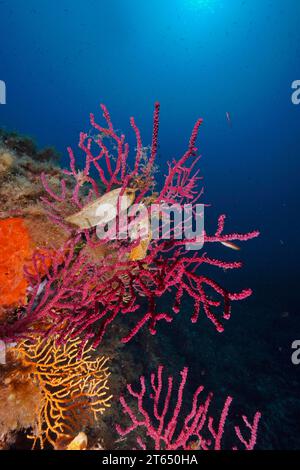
x=199, y=58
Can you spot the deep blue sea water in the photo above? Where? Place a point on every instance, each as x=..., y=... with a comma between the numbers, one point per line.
x=199, y=58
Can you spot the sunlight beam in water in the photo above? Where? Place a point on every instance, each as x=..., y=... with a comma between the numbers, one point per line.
x=201, y=4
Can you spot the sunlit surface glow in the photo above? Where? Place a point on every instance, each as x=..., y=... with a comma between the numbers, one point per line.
x=201, y=4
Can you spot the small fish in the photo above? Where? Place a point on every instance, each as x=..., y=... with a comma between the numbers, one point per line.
x=195, y=445
x=3, y=350
x=140, y=251
x=231, y=245
x=228, y=117
x=140, y=228
x=79, y=442
x=2, y=353
x=40, y=288
x=96, y=212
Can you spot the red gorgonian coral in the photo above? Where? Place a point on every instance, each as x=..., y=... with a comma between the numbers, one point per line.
x=163, y=424
x=91, y=281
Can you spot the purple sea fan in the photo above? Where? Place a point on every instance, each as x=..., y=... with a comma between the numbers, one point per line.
x=84, y=292
x=165, y=426
x=71, y=295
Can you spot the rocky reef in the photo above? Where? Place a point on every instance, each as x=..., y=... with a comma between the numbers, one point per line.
x=71, y=301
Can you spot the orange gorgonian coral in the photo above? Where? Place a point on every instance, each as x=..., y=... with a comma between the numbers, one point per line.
x=73, y=389
x=15, y=251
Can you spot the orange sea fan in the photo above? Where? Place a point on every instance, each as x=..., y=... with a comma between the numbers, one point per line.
x=74, y=390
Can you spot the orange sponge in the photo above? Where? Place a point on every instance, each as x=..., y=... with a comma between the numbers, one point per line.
x=15, y=252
